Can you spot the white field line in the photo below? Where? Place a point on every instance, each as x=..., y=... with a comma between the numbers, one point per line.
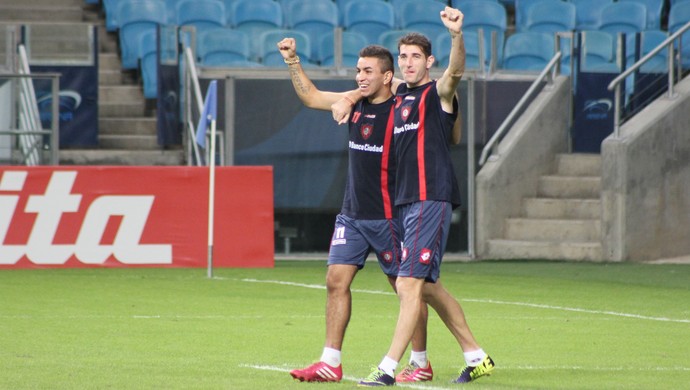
x=492, y=301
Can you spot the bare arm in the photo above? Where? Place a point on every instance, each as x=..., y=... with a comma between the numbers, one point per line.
x=307, y=92
x=447, y=84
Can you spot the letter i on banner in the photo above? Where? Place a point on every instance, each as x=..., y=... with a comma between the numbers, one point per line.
x=209, y=114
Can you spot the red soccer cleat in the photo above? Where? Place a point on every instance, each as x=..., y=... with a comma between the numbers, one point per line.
x=318, y=372
x=413, y=373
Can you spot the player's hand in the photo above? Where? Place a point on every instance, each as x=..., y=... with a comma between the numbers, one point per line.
x=288, y=48
x=341, y=110
x=452, y=19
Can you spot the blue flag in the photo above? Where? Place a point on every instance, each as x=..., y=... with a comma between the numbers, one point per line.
x=208, y=114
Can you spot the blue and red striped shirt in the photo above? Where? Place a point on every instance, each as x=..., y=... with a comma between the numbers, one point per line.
x=422, y=147
x=369, y=191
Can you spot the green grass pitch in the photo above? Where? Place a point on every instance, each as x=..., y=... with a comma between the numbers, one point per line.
x=548, y=325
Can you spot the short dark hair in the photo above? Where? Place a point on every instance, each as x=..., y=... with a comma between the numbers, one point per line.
x=382, y=54
x=416, y=39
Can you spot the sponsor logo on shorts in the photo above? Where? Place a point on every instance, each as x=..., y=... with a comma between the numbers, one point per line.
x=425, y=256
x=339, y=236
x=387, y=256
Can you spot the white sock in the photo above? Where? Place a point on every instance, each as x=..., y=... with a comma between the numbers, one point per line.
x=419, y=358
x=331, y=357
x=473, y=358
x=388, y=366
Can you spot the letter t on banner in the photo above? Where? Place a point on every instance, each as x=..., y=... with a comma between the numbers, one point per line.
x=209, y=113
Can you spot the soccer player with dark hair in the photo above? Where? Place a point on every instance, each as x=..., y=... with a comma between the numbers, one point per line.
x=368, y=218
x=426, y=193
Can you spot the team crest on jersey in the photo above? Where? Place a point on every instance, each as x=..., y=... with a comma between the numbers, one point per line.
x=425, y=256
x=387, y=256
x=366, y=130
x=405, y=113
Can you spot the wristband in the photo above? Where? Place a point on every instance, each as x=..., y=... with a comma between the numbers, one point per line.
x=292, y=61
x=349, y=100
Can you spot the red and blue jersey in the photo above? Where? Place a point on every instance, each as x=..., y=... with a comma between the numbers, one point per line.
x=421, y=138
x=371, y=174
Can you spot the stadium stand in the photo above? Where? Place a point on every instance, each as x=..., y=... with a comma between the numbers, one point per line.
x=678, y=16
x=269, y=54
x=422, y=16
x=148, y=65
x=550, y=16
x=588, y=13
x=654, y=12
x=314, y=17
x=490, y=17
x=223, y=47
x=649, y=40
x=528, y=51
x=135, y=18
x=255, y=17
x=201, y=14
x=353, y=42
x=522, y=9
x=623, y=17
x=369, y=18
x=389, y=40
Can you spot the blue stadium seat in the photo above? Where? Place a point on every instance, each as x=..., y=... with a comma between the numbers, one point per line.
x=269, y=54
x=389, y=40
x=588, y=13
x=551, y=17
x=422, y=16
x=442, y=50
x=522, y=8
x=369, y=18
x=623, y=17
x=314, y=17
x=135, y=18
x=171, y=5
x=201, y=14
x=649, y=40
x=255, y=17
x=353, y=42
x=678, y=16
x=490, y=17
x=342, y=6
x=528, y=51
x=654, y=12
x=110, y=10
x=148, y=54
x=459, y=4
x=222, y=46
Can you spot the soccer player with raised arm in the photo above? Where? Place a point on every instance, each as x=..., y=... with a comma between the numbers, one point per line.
x=368, y=218
x=426, y=193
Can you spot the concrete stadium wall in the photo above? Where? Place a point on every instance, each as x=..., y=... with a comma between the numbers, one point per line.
x=646, y=182
x=525, y=153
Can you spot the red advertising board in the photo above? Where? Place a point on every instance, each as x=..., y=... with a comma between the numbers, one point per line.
x=134, y=216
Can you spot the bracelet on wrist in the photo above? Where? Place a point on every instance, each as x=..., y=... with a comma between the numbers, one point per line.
x=349, y=100
x=291, y=61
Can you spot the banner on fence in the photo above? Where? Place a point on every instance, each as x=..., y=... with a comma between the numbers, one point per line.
x=134, y=216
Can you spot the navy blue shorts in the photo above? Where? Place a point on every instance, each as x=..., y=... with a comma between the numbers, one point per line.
x=425, y=233
x=353, y=240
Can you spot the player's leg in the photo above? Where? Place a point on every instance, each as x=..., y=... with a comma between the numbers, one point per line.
x=338, y=303
x=415, y=267
x=347, y=255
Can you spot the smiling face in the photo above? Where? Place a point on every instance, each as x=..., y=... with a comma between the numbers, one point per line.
x=373, y=82
x=414, y=65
